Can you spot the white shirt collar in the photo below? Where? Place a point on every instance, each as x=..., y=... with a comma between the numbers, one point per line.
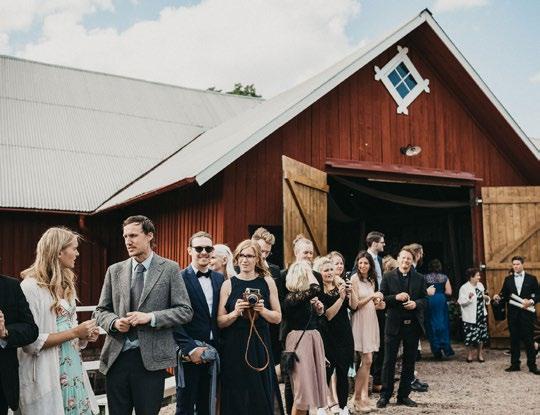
x=146, y=262
x=195, y=269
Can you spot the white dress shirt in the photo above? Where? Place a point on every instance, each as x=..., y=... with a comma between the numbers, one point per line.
x=208, y=291
x=378, y=269
x=518, y=280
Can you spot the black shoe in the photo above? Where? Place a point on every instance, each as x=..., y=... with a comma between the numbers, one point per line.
x=512, y=369
x=417, y=388
x=406, y=401
x=382, y=402
x=418, y=382
x=534, y=370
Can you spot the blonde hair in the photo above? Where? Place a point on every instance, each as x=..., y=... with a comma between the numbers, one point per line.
x=320, y=262
x=46, y=268
x=298, y=276
x=389, y=263
x=265, y=235
x=225, y=251
x=260, y=265
x=299, y=241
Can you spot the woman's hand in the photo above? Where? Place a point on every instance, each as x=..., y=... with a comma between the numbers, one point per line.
x=343, y=291
x=317, y=305
x=380, y=305
x=259, y=307
x=240, y=306
x=84, y=330
x=94, y=336
x=471, y=295
x=487, y=299
x=378, y=296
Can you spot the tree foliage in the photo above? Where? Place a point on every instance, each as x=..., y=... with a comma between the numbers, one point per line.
x=240, y=89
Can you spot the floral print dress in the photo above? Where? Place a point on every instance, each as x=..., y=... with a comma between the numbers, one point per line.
x=74, y=394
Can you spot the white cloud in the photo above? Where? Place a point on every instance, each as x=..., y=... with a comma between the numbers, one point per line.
x=535, y=79
x=273, y=44
x=20, y=14
x=4, y=43
x=441, y=6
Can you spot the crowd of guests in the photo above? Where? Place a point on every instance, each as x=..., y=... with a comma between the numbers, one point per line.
x=227, y=320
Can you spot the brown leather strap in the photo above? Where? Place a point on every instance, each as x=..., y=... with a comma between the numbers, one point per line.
x=252, y=328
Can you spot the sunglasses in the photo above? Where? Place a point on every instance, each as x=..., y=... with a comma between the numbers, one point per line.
x=199, y=249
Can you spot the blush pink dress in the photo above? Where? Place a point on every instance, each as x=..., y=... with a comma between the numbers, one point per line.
x=365, y=326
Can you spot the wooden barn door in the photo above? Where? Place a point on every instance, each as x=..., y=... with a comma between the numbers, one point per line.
x=511, y=217
x=304, y=206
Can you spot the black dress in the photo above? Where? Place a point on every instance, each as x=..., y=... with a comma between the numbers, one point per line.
x=245, y=390
x=338, y=343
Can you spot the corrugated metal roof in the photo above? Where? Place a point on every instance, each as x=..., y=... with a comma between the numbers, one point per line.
x=234, y=137
x=70, y=139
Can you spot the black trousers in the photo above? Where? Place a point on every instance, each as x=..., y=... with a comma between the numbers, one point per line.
x=409, y=334
x=196, y=393
x=342, y=381
x=378, y=357
x=130, y=385
x=522, y=330
x=3, y=402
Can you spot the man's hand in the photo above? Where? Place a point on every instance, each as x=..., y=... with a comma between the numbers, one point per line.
x=2, y=325
x=527, y=303
x=122, y=325
x=409, y=305
x=402, y=297
x=496, y=298
x=94, y=336
x=196, y=354
x=137, y=318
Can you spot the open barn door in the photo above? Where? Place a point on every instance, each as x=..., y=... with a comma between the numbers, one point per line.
x=304, y=206
x=511, y=217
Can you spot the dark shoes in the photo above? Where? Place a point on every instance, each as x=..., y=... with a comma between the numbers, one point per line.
x=406, y=401
x=534, y=371
x=382, y=402
x=512, y=369
x=418, y=386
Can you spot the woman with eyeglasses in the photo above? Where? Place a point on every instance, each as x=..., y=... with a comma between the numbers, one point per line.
x=248, y=303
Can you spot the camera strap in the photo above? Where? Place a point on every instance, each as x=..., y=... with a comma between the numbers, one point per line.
x=304, y=331
x=252, y=328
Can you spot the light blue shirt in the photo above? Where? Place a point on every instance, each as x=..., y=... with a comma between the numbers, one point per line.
x=3, y=343
x=129, y=344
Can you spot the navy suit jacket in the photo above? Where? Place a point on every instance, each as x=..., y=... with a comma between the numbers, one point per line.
x=203, y=322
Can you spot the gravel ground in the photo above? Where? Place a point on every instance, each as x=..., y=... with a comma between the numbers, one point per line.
x=458, y=387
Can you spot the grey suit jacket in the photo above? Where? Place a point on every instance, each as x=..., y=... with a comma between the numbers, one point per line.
x=164, y=294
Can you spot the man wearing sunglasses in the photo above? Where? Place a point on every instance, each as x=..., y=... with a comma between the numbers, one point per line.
x=203, y=286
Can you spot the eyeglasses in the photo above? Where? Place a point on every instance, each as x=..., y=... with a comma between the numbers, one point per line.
x=199, y=249
x=244, y=256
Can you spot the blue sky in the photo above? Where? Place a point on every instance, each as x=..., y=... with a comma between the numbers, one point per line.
x=273, y=43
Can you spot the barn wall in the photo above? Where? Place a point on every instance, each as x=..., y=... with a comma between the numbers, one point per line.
x=358, y=121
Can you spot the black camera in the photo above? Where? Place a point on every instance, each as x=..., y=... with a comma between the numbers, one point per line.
x=252, y=296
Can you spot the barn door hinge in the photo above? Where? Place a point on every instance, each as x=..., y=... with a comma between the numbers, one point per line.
x=482, y=267
x=477, y=201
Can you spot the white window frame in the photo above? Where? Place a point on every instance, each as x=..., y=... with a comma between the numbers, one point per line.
x=381, y=74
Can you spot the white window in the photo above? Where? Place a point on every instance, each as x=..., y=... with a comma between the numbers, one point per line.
x=402, y=80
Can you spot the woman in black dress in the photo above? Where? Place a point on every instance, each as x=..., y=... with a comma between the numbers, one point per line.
x=248, y=378
x=336, y=328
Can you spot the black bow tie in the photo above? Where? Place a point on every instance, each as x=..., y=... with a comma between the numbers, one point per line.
x=204, y=274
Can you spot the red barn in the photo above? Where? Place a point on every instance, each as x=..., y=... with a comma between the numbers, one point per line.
x=402, y=136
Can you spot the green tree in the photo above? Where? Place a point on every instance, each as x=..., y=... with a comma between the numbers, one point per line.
x=246, y=90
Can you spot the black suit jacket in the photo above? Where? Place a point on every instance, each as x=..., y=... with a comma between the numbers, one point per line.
x=390, y=287
x=22, y=331
x=529, y=290
x=203, y=322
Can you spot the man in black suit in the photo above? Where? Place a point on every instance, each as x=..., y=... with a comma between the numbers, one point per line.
x=520, y=321
x=375, y=246
x=203, y=286
x=17, y=328
x=404, y=292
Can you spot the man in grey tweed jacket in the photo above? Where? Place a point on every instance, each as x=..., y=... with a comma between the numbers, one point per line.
x=142, y=299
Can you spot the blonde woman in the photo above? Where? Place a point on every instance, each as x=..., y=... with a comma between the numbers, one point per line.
x=365, y=324
x=338, y=261
x=52, y=379
x=301, y=308
x=221, y=261
x=336, y=328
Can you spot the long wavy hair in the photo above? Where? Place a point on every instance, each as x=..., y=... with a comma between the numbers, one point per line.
x=261, y=268
x=47, y=269
x=372, y=275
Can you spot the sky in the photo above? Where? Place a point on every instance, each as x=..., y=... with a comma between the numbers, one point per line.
x=274, y=44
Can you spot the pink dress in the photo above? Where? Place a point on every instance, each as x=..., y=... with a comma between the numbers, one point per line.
x=365, y=326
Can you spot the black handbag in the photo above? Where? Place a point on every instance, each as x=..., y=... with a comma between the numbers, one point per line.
x=289, y=359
